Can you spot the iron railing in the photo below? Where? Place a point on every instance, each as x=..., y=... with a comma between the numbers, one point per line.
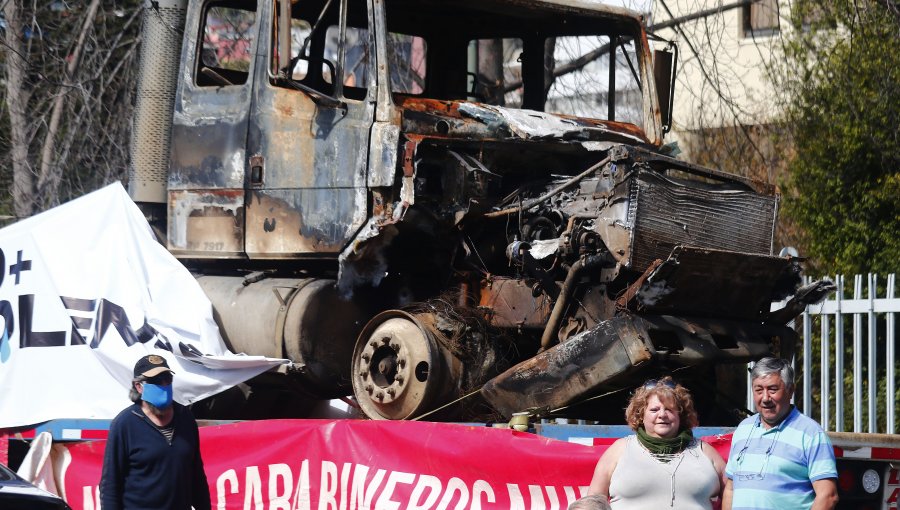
x=856, y=324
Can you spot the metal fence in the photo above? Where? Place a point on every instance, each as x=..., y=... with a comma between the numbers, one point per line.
x=848, y=360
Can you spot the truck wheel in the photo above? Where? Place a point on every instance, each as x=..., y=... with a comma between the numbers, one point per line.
x=400, y=370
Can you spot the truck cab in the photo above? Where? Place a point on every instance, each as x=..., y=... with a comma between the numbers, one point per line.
x=291, y=120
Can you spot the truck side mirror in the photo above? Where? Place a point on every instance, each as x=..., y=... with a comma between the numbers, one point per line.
x=664, y=62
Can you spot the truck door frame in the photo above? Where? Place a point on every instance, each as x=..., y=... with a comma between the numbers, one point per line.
x=305, y=189
x=209, y=131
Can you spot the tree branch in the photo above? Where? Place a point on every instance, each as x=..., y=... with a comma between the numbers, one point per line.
x=17, y=101
x=587, y=58
x=48, y=177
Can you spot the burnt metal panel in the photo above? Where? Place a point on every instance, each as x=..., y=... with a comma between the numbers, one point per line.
x=510, y=303
x=383, y=153
x=461, y=119
x=613, y=354
x=287, y=222
x=571, y=370
x=689, y=341
x=710, y=283
x=206, y=167
x=665, y=212
x=309, y=196
x=206, y=223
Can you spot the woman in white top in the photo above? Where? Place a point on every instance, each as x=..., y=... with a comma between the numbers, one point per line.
x=662, y=465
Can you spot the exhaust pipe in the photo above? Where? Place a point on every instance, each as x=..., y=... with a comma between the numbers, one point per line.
x=151, y=135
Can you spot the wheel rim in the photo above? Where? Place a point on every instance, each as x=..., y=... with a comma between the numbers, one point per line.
x=396, y=367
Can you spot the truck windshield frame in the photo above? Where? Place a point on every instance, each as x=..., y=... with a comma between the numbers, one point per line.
x=538, y=56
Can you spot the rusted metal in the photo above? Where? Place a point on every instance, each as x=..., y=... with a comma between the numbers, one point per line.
x=209, y=223
x=710, y=283
x=459, y=119
x=409, y=158
x=550, y=194
x=548, y=338
x=300, y=222
x=696, y=341
x=644, y=156
x=665, y=212
x=511, y=303
x=623, y=301
x=613, y=353
x=572, y=370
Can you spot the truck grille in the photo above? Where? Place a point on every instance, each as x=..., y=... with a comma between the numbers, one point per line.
x=665, y=212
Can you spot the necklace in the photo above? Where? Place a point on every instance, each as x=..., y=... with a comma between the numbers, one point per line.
x=670, y=463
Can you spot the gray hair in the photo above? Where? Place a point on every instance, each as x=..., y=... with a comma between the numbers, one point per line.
x=768, y=366
x=133, y=394
x=591, y=503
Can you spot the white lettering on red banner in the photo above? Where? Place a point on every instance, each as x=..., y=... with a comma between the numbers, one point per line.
x=371, y=465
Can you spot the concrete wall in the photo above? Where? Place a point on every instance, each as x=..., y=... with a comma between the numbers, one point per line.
x=721, y=73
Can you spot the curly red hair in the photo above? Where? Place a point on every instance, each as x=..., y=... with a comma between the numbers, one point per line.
x=666, y=393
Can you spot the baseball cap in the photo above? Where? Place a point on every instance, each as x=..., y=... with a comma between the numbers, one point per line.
x=151, y=365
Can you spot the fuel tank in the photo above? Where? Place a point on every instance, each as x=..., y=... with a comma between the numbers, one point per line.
x=304, y=320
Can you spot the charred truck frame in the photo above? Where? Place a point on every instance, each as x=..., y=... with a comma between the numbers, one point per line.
x=417, y=199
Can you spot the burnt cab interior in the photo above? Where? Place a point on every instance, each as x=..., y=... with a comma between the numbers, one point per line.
x=535, y=55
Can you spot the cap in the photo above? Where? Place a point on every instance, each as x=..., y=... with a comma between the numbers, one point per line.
x=151, y=365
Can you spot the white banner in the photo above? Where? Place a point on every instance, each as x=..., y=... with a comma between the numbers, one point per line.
x=85, y=291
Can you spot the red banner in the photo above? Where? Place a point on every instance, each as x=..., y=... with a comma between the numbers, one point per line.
x=356, y=465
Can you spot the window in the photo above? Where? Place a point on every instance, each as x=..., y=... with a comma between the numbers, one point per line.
x=760, y=18
x=356, y=58
x=407, y=55
x=495, y=71
x=312, y=49
x=225, y=54
x=606, y=86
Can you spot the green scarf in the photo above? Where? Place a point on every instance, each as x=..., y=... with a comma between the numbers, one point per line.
x=663, y=446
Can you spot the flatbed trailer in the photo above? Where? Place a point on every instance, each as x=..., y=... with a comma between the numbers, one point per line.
x=868, y=464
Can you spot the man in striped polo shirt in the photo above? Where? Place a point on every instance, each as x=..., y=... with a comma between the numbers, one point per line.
x=780, y=458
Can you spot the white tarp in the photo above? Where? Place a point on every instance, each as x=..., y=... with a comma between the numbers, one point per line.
x=85, y=291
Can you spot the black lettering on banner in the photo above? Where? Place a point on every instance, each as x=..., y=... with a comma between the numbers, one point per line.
x=29, y=338
x=79, y=324
x=78, y=304
x=109, y=315
x=19, y=266
x=112, y=315
x=2, y=265
x=82, y=322
x=162, y=343
x=76, y=338
x=6, y=310
x=189, y=351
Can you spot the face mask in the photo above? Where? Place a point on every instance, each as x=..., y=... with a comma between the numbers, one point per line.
x=159, y=396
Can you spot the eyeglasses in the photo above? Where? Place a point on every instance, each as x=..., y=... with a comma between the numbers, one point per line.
x=653, y=383
x=761, y=475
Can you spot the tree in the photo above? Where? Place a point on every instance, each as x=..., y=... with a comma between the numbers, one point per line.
x=70, y=73
x=840, y=84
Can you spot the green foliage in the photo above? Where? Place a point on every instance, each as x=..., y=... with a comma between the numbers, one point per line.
x=841, y=86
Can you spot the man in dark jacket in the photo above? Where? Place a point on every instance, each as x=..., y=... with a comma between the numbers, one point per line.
x=152, y=458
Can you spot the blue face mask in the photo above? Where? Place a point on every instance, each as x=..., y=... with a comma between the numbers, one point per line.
x=159, y=396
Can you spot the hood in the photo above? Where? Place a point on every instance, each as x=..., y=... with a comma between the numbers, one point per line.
x=477, y=121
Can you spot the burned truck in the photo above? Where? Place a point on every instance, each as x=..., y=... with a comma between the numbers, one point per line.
x=421, y=202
